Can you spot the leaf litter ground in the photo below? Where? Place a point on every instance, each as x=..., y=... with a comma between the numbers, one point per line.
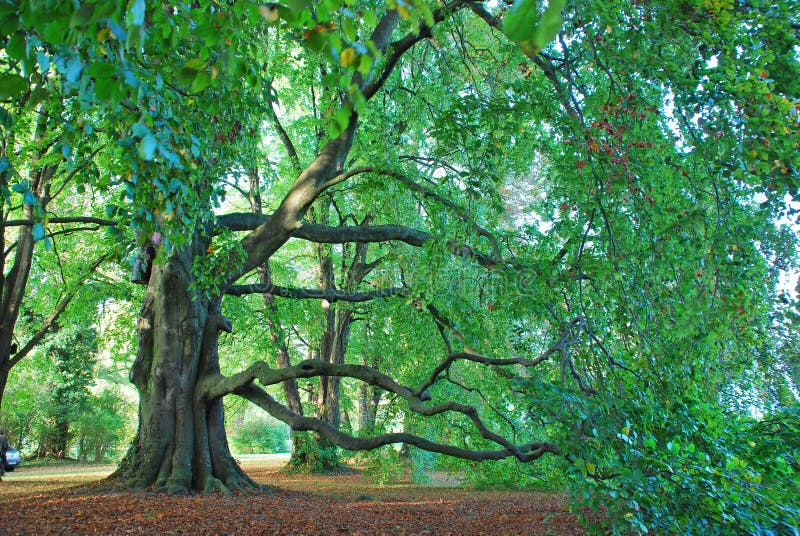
x=69, y=501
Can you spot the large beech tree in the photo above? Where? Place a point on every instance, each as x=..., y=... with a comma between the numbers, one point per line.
x=583, y=202
x=181, y=437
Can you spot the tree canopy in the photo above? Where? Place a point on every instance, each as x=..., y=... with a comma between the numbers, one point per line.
x=555, y=233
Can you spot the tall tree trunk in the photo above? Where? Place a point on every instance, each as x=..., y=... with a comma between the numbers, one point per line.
x=4, y=370
x=300, y=440
x=13, y=292
x=181, y=444
x=333, y=343
x=368, y=401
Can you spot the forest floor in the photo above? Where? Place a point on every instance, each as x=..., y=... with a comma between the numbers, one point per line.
x=66, y=499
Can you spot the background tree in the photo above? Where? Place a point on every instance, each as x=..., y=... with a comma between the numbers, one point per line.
x=73, y=354
x=50, y=151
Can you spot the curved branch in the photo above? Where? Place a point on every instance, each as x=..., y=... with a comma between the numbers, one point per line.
x=529, y=452
x=400, y=47
x=568, y=337
x=216, y=386
x=331, y=295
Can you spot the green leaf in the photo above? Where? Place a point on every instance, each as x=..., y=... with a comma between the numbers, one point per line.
x=349, y=29
x=9, y=23
x=101, y=69
x=523, y=25
x=191, y=69
x=21, y=187
x=82, y=16
x=38, y=231
x=519, y=24
x=12, y=86
x=317, y=39
x=550, y=24
x=17, y=47
x=342, y=117
x=195, y=64
x=370, y=17
x=297, y=6
x=201, y=82
x=44, y=61
x=137, y=13
x=118, y=31
x=365, y=64
x=147, y=147
x=74, y=69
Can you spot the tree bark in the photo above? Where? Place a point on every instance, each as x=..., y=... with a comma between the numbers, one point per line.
x=4, y=370
x=13, y=292
x=181, y=444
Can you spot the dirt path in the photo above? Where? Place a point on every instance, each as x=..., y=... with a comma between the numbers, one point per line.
x=52, y=501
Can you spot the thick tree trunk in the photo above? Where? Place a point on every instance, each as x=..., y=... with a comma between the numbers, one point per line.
x=181, y=444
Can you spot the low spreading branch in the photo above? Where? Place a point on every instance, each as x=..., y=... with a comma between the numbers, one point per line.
x=216, y=386
x=361, y=233
x=329, y=235
x=261, y=398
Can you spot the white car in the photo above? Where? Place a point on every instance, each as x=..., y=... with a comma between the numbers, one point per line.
x=12, y=459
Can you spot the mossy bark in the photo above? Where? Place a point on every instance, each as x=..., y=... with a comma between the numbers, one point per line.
x=181, y=444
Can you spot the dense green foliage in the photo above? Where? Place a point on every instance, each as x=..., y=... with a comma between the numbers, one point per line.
x=618, y=176
x=59, y=406
x=254, y=432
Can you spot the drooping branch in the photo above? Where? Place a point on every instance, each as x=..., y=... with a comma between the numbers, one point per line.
x=282, y=134
x=543, y=62
x=216, y=386
x=567, y=339
x=445, y=325
x=332, y=295
x=258, y=396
